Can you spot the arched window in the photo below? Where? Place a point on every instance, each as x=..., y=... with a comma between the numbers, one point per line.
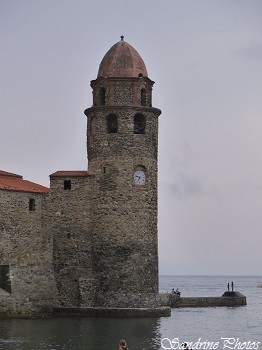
x=143, y=97
x=139, y=124
x=102, y=96
x=111, y=124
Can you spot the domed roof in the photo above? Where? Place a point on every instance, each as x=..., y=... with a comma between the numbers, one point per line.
x=122, y=60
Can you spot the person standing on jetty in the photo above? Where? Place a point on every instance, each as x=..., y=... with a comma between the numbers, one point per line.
x=122, y=345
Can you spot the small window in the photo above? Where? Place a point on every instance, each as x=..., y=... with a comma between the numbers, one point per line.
x=143, y=97
x=67, y=185
x=102, y=96
x=139, y=124
x=5, y=282
x=31, y=204
x=111, y=124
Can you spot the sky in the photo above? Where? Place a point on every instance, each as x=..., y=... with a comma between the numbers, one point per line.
x=206, y=60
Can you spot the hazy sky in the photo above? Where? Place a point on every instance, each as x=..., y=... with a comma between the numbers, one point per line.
x=206, y=59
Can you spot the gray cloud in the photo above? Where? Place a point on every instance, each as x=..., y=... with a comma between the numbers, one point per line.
x=185, y=185
x=253, y=53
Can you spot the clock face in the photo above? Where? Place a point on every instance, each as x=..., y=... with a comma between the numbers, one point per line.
x=139, y=177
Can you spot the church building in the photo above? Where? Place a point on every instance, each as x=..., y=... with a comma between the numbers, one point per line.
x=91, y=240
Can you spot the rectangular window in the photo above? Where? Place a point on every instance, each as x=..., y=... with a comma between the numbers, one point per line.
x=139, y=124
x=5, y=282
x=67, y=185
x=31, y=204
x=112, y=125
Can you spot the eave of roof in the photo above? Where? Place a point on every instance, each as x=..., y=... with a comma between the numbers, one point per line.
x=7, y=174
x=70, y=173
x=15, y=182
x=12, y=184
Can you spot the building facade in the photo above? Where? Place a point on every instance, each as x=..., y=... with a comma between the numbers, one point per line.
x=99, y=227
x=27, y=283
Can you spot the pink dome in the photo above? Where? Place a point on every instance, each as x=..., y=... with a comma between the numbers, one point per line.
x=122, y=61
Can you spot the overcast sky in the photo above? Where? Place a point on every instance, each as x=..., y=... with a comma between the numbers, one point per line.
x=206, y=60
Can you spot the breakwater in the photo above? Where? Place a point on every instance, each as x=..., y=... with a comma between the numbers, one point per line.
x=227, y=299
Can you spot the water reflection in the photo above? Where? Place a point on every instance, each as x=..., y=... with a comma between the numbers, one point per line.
x=146, y=333
x=79, y=333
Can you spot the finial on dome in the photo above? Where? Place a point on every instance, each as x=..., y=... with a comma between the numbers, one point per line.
x=122, y=37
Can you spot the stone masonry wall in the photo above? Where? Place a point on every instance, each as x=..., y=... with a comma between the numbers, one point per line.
x=122, y=92
x=125, y=247
x=70, y=223
x=124, y=142
x=26, y=249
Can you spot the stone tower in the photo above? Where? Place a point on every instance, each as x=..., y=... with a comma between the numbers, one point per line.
x=88, y=245
x=122, y=144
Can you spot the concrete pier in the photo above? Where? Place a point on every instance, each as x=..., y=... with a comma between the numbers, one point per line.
x=227, y=299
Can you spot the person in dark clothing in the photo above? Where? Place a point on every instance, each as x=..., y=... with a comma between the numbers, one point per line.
x=122, y=345
x=177, y=292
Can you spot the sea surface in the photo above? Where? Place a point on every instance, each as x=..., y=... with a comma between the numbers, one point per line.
x=223, y=327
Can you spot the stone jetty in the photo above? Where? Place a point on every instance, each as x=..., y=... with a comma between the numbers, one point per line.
x=227, y=299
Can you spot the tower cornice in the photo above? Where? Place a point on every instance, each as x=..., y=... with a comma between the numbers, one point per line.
x=140, y=109
x=118, y=79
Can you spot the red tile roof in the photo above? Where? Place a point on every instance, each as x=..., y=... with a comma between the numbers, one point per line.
x=14, y=182
x=70, y=173
x=5, y=173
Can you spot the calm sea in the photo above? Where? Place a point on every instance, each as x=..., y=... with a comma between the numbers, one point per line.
x=242, y=324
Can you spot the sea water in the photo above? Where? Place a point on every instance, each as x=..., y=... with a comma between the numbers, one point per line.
x=203, y=328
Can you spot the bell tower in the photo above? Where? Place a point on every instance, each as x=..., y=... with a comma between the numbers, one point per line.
x=122, y=144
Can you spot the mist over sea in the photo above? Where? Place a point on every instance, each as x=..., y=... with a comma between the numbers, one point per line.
x=241, y=324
